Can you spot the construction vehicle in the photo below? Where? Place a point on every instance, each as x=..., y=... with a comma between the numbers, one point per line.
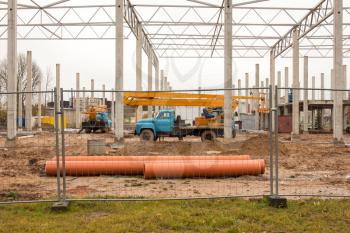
x=97, y=120
x=165, y=124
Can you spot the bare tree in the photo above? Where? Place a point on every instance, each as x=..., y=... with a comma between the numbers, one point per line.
x=48, y=83
x=21, y=75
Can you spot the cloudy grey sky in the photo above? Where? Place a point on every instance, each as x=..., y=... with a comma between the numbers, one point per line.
x=95, y=58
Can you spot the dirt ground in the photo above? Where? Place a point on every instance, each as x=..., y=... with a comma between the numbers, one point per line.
x=309, y=166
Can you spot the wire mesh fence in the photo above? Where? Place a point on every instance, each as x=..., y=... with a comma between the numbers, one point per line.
x=167, y=152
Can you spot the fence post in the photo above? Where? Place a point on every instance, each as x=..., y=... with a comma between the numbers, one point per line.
x=270, y=140
x=57, y=147
x=276, y=142
x=63, y=146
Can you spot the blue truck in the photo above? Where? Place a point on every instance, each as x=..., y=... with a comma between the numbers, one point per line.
x=165, y=124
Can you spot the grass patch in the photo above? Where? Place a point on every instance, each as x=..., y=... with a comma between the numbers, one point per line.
x=179, y=216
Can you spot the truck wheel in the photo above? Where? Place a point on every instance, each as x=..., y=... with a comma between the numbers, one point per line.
x=233, y=133
x=147, y=135
x=208, y=135
x=88, y=130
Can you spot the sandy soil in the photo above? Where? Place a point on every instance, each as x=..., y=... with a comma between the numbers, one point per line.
x=311, y=165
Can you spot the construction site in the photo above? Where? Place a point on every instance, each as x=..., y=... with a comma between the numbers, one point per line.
x=182, y=99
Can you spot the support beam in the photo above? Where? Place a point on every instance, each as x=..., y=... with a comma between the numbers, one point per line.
x=103, y=94
x=256, y=108
x=11, y=68
x=29, y=104
x=20, y=105
x=338, y=71
x=322, y=86
x=295, y=116
x=247, y=91
x=228, y=69
x=139, y=68
x=113, y=109
x=272, y=83
x=40, y=95
x=149, y=83
x=92, y=95
x=286, y=84
x=77, y=101
x=279, y=85
x=306, y=94
x=313, y=87
x=58, y=83
x=119, y=63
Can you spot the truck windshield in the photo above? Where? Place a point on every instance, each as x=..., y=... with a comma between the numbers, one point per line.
x=163, y=115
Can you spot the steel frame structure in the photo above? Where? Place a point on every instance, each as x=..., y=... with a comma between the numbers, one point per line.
x=185, y=30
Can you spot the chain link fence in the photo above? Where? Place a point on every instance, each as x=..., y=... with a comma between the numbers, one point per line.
x=74, y=155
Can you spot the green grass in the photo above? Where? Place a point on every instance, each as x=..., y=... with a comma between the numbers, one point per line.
x=179, y=216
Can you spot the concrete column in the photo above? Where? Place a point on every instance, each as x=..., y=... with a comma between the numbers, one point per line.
x=257, y=82
x=156, y=77
x=322, y=86
x=113, y=109
x=139, y=68
x=338, y=70
x=29, y=103
x=20, y=105
x=239, y=84
x=103, y=94
x=58, y=83
x=119, y=45
x=279, y=84
x=295, y=116
x=149, y=82
x=306, y=94
x=272, y=83
x=247, y=91
x=77, y=101
x=165, y=83
x=228, y=69
x=313, y=87
x=92, y=95
x=84, y=99
x=286, y=84
x=162, y=80
x=345, y=96
x=39, y=104
x=11, y=68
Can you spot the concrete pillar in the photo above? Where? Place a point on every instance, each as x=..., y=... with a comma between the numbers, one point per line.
x=295, y=116
x=165, y=83
x=272, y=83
x=139, y=67
x=286, y=84
x=113, y=109
x=29, y=103
x=239, y=84
x=58, y=83
x=257, y=82
x=104, y=94
x=20, y=105
x=228, y=69
x=84, y=99
x=149, y=82
x=39, y=104
x=156, y=77
x=322, y=86
x=162, y=80
x=77, y=101
x=338, y=70
x=279, y=84
x=247, y=91
x=313, y=87
x=11, y=68
x=119, y=45
x=92, y=95
x=345, y=96
x=306, y=94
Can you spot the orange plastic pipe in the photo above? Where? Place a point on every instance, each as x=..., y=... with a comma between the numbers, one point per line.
x=155, y=158
x=92, y=168
x=203, y=169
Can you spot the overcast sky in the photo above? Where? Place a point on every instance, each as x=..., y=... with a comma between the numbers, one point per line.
x=95, y=59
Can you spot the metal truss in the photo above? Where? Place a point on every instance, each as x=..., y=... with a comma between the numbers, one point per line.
x=183, y=30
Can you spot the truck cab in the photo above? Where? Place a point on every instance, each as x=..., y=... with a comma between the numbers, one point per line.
x=161, y=125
